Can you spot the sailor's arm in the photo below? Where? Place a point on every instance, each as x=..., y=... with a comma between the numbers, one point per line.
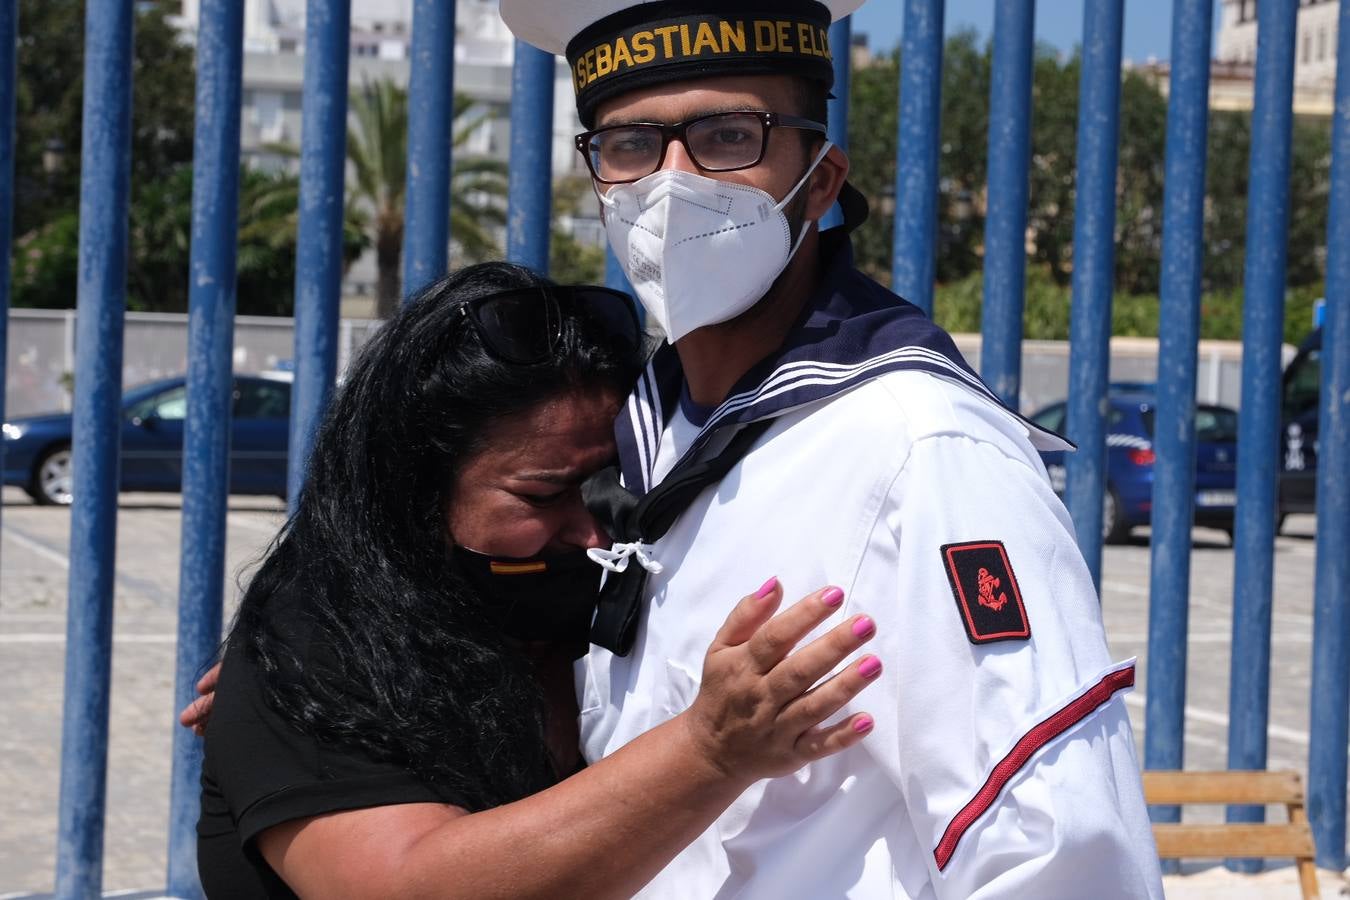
x=1010, y=744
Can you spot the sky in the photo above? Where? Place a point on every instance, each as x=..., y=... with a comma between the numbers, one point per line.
x=1148, y=24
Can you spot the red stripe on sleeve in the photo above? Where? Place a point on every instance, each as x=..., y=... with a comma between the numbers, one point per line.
x=1040, y=735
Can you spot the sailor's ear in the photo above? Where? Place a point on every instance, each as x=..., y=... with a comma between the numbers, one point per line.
x=822, y=189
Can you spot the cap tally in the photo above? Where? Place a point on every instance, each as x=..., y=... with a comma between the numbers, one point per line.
x=613, y=47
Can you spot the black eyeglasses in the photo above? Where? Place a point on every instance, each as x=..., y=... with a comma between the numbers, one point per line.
x=524, y=326
x=720, y=142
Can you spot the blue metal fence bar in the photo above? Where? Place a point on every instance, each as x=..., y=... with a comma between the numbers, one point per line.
x=616, y=279
x=1262, y=329
x=104, y=187
x=530, y=185
x=1174, y=429
x=1331, y=608
x=1094, y=223
x=1005, y=229
x=206, y=435
x=615, y=276
x=9, y=35
x=841, y=49
x=318, y=264
x=918, y=138
x=431, y=104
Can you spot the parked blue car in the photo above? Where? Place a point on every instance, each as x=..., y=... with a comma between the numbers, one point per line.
x=1130, y=457
x=37, y=448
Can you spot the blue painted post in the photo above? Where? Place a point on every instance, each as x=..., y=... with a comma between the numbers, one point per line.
x=206, y=435
x=530, y=185
x=318, y=264
x=9, y=34
x=919, y=136
x=1331, y=608
x=104, y=186
x=615, y=277
x=1262, y=330
x=431, y=109
x=1005, y=227
x=841, y=49
x=1174, y=424
x=1094, y=242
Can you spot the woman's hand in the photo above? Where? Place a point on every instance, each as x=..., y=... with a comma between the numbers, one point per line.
x=759, y=711
x=197, y=713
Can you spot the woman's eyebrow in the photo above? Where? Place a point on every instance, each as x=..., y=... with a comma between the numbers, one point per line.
x=552, y=476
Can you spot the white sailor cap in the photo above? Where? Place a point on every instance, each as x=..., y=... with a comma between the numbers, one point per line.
x=613, y=46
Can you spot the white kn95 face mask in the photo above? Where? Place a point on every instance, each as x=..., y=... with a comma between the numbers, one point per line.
x=699, y=251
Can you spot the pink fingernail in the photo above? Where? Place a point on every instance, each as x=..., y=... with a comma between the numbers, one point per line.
x=869, y=667
x=864, y=626
x=863, y=724
x=767, y=588
x=833, y=597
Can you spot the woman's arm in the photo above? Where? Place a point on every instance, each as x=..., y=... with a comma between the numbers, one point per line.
x=607, y=830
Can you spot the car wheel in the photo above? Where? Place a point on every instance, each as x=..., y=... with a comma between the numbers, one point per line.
x=1114, y=527
x=53, y=478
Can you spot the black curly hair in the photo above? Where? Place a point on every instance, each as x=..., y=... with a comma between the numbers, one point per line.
x=412, y=672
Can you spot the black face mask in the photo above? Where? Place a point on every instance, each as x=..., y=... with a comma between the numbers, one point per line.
x=541, y=598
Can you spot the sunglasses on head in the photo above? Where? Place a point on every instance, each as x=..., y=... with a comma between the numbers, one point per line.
x=525, y=325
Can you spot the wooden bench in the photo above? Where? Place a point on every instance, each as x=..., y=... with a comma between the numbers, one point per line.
x=1289, y=839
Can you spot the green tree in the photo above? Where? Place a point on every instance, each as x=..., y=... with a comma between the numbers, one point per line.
x=377, y=149
x=51, y=96
x=1139, y=186
x=961, y=167
x=570, y=261
x=871, y=150
x=1052, y=175
x=1054, y=104
x=45, y=265
x=46, y=260
x=1227, y=194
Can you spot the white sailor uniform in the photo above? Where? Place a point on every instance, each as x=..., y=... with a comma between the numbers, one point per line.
x=1002, y=762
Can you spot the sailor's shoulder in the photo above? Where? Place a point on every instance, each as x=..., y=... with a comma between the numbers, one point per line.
x=909, y=404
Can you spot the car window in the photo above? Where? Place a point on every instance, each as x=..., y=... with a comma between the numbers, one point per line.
x=262, y=400
x=1212, y=423
x=170, y=406
x=1216, y=423
x=1302, y=385
x=1051, y=418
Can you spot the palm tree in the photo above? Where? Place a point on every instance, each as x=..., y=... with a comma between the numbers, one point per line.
x=377, y=149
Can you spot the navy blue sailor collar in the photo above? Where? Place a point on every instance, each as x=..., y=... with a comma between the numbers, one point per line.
x=851, y=331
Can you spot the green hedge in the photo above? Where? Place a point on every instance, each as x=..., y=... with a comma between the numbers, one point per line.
x=957, y=308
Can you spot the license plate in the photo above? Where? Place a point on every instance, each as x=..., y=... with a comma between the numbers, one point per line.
x=1216, y=498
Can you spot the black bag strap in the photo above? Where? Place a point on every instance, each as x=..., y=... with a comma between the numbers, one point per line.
x=648, y=519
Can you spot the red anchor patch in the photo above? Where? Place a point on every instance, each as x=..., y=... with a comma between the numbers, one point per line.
x=986, y=592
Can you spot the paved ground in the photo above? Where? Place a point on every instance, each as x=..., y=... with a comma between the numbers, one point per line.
x=33, y=569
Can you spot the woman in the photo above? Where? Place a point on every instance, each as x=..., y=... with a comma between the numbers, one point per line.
x=395, y=708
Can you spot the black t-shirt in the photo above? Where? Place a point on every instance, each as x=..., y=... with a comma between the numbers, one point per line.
x=260, y=771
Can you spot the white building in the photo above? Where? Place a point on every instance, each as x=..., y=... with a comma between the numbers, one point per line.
x=381, y=39
x=1314, y=48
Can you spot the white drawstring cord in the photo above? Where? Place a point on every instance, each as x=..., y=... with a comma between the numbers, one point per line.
x=616, y=558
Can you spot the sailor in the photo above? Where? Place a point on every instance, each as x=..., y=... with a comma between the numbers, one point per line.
x=802, y=419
